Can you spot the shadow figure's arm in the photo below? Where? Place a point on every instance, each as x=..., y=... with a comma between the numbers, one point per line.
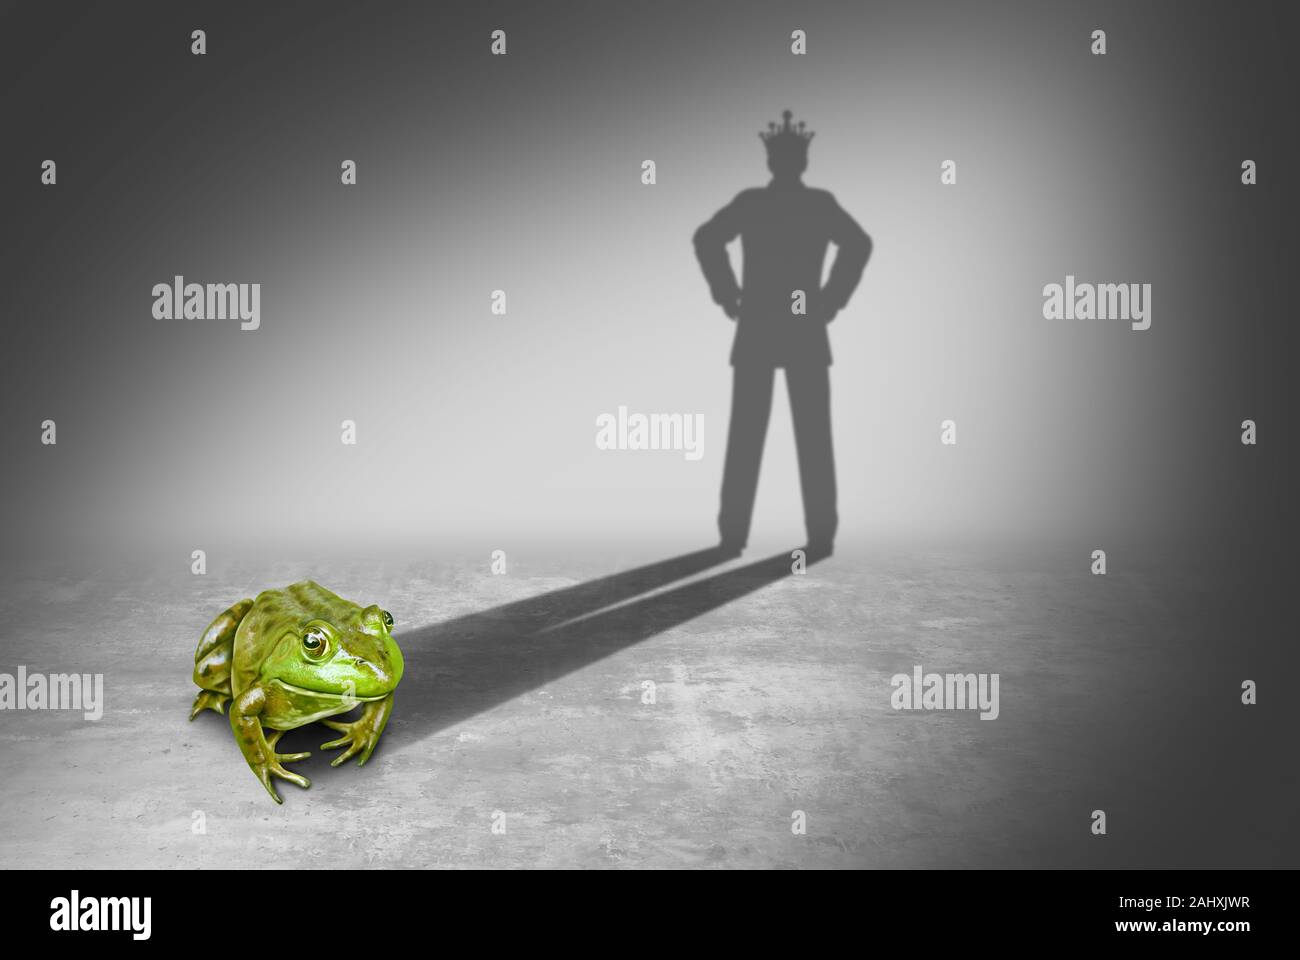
x=853, y=250
x=711, y=250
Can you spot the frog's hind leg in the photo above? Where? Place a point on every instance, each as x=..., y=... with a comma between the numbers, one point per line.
x=213, y=659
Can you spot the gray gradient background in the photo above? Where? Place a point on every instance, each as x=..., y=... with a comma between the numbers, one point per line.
x=522, y=173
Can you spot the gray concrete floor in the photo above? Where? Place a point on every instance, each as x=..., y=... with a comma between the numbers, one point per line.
x=523, y=695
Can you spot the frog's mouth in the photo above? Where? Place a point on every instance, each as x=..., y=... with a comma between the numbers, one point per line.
x=330, y=694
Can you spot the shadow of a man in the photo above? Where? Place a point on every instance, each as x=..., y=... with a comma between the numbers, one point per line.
x=781, y=312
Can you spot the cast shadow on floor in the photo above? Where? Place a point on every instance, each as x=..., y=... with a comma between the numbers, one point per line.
x=464, y=666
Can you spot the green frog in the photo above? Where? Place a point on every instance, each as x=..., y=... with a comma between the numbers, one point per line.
x=289, y=658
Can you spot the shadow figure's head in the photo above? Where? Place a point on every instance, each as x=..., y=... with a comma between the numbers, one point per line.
x=787, y=148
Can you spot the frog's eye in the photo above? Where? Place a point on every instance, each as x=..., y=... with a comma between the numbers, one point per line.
x=388, y=619
x=315, y=644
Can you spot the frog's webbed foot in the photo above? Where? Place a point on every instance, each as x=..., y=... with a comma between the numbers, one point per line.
x=274, y=738
x=209, y=700
x=272, y=764
x=360, y=736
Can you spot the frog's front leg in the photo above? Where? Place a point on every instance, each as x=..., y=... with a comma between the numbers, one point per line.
x=362, y=734
x=257, y=749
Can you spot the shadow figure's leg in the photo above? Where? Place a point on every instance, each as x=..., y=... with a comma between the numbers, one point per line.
x=751, y=408
x=810, y=409
x=556, y=606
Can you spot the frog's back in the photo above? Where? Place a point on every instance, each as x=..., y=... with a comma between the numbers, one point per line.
x=275, y=612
